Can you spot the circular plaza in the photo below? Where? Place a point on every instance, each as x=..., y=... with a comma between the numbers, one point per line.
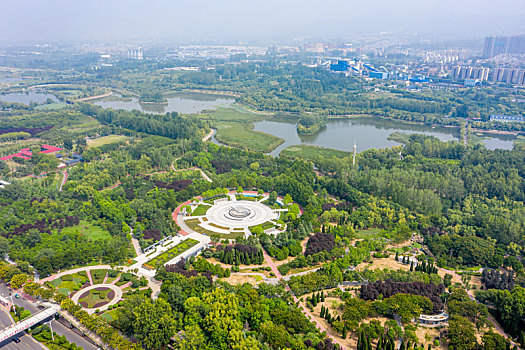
x=240, y=214
x=233, y=215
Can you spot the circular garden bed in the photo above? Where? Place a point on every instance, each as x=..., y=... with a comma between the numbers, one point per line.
x=97, y=297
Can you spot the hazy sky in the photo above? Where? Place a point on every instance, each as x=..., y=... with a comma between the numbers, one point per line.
x=194, y=20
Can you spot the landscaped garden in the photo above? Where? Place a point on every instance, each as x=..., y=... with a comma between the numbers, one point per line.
x=68, y=284
x=97, y=297
x=98, y=275
x=171, y=253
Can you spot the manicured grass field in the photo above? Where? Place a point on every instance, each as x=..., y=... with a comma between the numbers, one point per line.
x=242, y=135
x=312, y=152
x=98, y=275
x=91, y=231
x=194, y=225
x=105, y=140
x=200, y=210
x=172, y=253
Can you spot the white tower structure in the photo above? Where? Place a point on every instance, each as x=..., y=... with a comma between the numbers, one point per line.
x=355, y=151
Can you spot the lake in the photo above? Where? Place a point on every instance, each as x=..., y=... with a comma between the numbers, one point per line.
x=499, y=142
x=366, y=132
x=27, y=98
x=184, y=102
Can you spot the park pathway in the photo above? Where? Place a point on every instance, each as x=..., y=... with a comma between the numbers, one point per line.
x=63, y=182
x=302, y=307
x=209, y=136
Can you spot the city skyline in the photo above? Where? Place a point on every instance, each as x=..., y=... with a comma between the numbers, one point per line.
x=184, y=21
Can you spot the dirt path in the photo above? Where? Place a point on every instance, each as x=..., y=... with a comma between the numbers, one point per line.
x=302, y=307
x=209, y=136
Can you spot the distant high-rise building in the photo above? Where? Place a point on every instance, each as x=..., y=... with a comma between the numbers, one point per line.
x=135, y=54
x=503, y=45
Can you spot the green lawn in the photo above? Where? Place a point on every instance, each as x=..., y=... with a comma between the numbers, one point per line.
x=110, y=315
x=105, y=140
x=241, y=197
x=93, y=232
x=267, y=225
x=194, y=225
x=242, y=135
x=172, y=253
x=68, y=283
x=311, y=153
x=369, y=233
x=232, y=235
x=233, y=114
x=200, y=210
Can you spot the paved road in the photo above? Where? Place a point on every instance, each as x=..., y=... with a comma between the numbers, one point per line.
x=26, y=341
x=59, y=328
x=63, y=182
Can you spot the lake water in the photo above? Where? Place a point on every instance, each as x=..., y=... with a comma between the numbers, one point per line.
x=27, y=98
x=366, y=132
x=499, y=142
x=185, y=103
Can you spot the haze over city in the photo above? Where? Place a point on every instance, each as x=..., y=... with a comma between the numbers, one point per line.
x=262, y=175
x=185, y=21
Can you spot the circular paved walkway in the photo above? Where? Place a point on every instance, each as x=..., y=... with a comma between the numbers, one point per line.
x=240, y=214
x=116, y=298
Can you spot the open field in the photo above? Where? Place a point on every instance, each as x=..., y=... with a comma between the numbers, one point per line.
x=89, y=230
x=383, y=263
x=312, y=152
x=369, y=233
x=233, y=114
x=242, y=135
x=173, y=252
x=106, y=140
x=234, y=279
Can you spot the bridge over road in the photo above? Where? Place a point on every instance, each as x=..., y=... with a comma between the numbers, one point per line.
x=11, y=331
